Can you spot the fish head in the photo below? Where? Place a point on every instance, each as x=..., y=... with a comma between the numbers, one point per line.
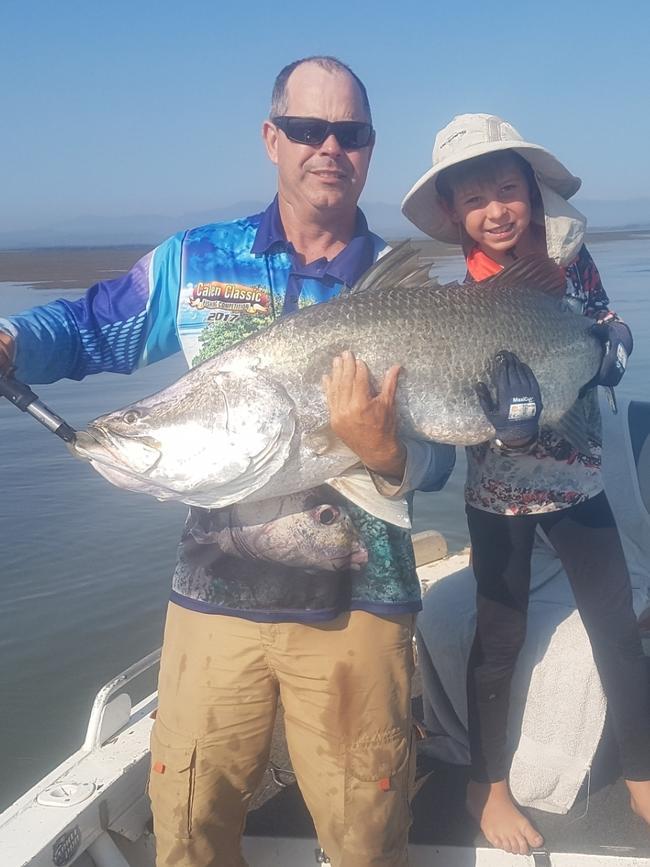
x=207, y=440
x=320, y=535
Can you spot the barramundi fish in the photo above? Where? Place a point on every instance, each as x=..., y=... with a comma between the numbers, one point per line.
x=252, y=422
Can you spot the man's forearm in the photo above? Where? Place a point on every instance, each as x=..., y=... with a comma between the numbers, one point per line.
x=44, y=344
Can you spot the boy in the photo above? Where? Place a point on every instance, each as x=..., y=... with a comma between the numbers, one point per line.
x=501, y=198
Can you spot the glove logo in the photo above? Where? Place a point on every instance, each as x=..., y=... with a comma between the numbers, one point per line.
x=621, y=357
x=522, y=408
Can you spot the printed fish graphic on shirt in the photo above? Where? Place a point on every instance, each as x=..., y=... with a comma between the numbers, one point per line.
x=303, y=531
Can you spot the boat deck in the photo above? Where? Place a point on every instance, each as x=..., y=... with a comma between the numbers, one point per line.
x=600, y=830
x=600, y=822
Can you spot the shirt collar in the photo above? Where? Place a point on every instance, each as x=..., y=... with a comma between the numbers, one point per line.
x=270, y=230
x=346, y=267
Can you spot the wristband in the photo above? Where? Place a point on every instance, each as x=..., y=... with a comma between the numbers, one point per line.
x=524, y=448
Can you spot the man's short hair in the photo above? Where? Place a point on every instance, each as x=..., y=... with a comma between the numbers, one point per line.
x=279, y=99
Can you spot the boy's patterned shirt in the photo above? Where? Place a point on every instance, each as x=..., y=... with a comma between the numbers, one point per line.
x=553, y=475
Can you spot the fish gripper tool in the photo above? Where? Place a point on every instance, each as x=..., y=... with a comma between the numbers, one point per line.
x=26, y=400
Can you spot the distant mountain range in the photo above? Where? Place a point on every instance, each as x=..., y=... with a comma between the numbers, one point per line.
x=384, y=218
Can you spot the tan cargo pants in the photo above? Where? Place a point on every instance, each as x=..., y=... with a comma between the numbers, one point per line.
x=345, y=688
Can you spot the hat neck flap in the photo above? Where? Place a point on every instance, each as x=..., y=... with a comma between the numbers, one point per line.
x=565, y=226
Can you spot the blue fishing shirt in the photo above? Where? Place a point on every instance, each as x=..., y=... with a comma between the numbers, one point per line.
x=306, y=557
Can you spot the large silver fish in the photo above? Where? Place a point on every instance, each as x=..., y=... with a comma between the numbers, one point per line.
x=252, y=422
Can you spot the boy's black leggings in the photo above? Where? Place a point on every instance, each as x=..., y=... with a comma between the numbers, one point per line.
x=586, y=540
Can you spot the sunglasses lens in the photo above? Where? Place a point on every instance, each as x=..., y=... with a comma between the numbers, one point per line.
x=350, y=134
x=307, y=131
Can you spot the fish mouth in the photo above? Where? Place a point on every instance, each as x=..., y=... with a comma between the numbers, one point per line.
x=353, y=560
x=101, y=447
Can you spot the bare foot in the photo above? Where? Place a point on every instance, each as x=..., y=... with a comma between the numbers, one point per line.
x=640, y=797
x=504, y=826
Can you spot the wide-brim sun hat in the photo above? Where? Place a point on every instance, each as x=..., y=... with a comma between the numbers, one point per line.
x=468, y=136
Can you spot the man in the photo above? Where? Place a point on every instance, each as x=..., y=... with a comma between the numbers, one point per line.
x=308, y=599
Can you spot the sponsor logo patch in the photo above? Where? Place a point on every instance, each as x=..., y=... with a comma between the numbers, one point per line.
x=230, y=298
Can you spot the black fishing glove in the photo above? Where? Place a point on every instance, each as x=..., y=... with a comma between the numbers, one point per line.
x=616, y=339
x=515, y=413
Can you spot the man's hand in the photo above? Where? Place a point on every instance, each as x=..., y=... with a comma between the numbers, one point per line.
x=6, y=352
x=364, y=420
x=616, y=339
x=515, y=413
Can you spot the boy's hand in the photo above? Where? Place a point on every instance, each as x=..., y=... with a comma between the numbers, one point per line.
x=616, y=339
x=515, y=413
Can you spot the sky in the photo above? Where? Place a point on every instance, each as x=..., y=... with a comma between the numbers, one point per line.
x=121, y=108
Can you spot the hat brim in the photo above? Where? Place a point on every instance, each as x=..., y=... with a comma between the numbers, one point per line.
x=422, y=205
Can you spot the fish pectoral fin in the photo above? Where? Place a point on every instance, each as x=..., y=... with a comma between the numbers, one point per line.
x=322, y=440
x=534, y=272
x=357, y=486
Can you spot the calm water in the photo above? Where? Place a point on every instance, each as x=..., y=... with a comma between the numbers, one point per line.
x=86, y=567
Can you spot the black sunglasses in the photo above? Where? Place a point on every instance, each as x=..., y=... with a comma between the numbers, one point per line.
x=350, y=134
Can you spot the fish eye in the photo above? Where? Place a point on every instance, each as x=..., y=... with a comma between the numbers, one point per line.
x=328, y=515
x=131, y=416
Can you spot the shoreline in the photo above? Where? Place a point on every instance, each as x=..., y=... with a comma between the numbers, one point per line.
x=77, y=268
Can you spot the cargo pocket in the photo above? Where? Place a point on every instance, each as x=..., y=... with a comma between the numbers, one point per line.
x=377, y=811
x=171, y=781
x=378, y=759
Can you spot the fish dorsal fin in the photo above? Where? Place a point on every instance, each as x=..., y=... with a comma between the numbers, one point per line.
x=399, y=267
x=530, y=272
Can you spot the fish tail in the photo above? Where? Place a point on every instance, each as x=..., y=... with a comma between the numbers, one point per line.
x=580, y=425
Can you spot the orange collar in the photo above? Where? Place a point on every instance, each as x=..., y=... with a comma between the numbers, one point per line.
x=480, y=266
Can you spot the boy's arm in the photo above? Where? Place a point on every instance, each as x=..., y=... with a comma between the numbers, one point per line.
x=588, y=279
x=613, y=333
x=117, y=326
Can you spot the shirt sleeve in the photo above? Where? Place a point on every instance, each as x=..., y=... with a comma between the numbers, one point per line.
x=584, y=275
x=428, y=467
x=116, y=326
